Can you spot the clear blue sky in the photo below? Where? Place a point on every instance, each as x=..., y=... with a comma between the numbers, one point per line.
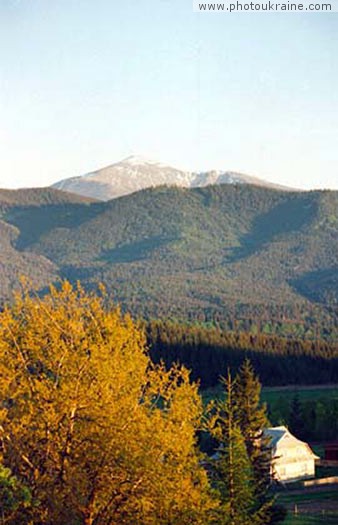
x=85, y=83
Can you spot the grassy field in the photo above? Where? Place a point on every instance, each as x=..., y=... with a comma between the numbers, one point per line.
x=311, y=506
x=306, y=393
x=312, y=519
x=279, y=399
x=282, y=396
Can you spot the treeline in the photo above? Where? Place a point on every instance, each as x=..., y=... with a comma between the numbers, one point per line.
x=209, y=352
x=296, y=320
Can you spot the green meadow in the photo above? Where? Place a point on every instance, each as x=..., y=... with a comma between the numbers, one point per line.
x=282, y=396
x=311, y=508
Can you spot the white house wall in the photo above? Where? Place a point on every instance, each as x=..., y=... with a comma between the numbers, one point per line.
x=294, y=471
x=293, y=460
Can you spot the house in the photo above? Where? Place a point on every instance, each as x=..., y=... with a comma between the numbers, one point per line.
x=292, y=459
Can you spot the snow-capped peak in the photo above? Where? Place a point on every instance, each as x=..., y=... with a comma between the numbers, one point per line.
x=139, y=160
x=136, y=172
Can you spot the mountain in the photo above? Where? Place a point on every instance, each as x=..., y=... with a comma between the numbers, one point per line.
x=235, y=254
x=38, y=205
x=136, y=173
x=38, y=197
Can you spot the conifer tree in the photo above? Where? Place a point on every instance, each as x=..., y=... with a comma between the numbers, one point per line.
x=233, y=471
x=296, y=420
x=252, y=420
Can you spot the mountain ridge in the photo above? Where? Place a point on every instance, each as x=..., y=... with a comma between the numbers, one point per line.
x=39, y=197
x=135, y=173
x=219, y=252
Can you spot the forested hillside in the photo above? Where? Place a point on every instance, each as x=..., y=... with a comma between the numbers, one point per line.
x=244, y=257
x=37, y=197
x=15, y=262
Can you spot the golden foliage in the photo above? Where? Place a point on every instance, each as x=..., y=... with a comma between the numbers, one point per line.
x=98, y=433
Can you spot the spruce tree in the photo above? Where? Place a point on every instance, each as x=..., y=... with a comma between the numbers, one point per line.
x=234, y=475
x=252, y=420
x=296, y=420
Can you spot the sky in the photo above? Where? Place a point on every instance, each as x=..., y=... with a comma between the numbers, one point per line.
x=84, y=84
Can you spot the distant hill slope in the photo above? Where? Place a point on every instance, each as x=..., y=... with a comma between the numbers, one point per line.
x=14, y=262
x=38, y=197
x=136, y=173
x=228, y=252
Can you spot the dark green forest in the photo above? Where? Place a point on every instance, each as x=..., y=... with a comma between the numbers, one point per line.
x=210, y=352
x=244, y=258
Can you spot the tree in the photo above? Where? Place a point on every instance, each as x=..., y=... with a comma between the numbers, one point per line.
x=99, y=434
x=233, y=471
x=252, y=420
x=296, y=417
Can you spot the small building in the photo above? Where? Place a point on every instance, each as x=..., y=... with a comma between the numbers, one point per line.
x=292, y=459
x=331, y=452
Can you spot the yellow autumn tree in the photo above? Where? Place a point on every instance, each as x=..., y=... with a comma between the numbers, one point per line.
x=98, y=434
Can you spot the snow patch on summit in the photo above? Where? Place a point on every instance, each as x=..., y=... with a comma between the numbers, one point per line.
x=139, y=160
x=136, y=173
